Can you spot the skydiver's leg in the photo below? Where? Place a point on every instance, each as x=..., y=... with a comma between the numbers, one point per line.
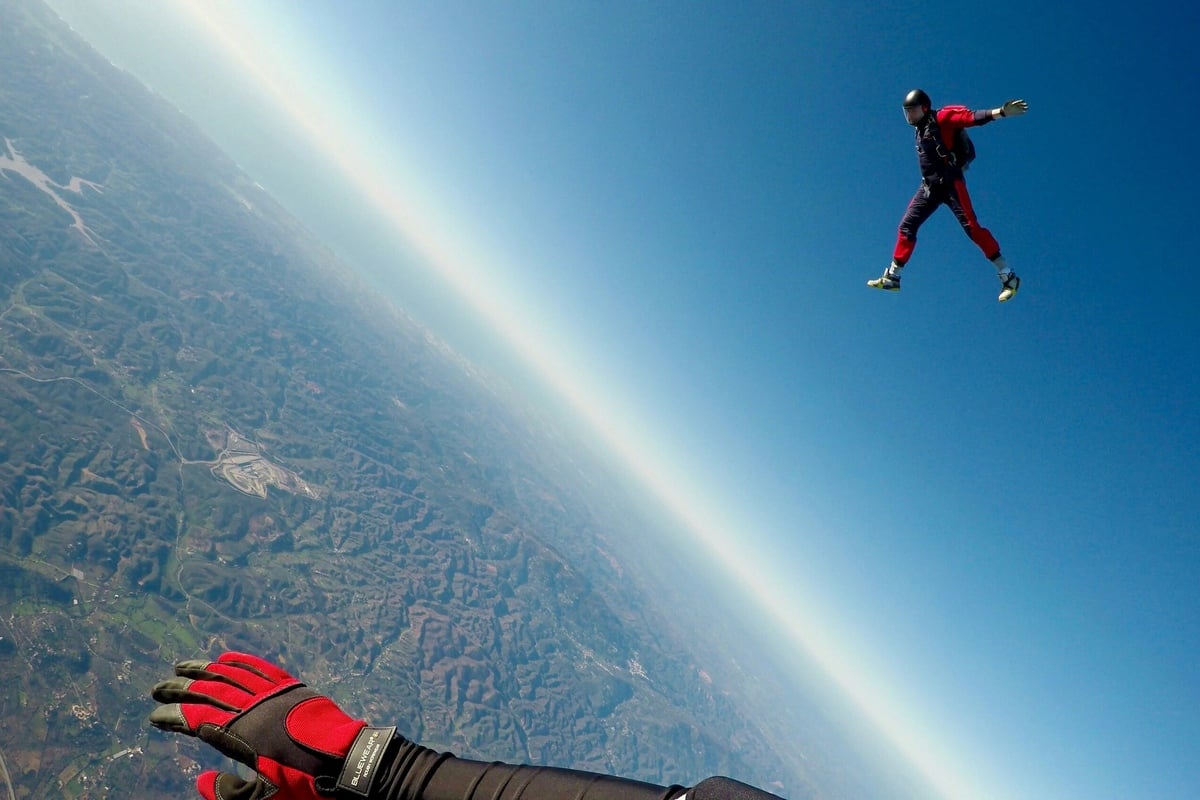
x=922, y=205
x=960, y=203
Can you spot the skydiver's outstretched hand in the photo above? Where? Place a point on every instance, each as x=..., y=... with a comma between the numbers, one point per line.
x=304, y=747
x=254, y=712
x=1014, y=108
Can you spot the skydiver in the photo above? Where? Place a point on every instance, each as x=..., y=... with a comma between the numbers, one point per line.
x=942, y=182
x=303, y=747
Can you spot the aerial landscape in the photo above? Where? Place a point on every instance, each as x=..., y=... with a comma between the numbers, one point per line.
x=512, y=373
x=212, y=437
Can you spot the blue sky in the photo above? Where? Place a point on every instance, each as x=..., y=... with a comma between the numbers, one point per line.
x=980, y=518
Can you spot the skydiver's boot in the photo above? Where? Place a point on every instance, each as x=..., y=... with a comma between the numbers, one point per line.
x=889, y=281
x=1009, y=281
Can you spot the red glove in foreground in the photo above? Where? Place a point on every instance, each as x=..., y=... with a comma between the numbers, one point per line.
x=304, y=747
x=296, y=739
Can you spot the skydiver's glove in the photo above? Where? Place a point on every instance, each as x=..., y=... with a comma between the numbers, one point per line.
x=299, y=742
x=1014, y=108
x=304, y=747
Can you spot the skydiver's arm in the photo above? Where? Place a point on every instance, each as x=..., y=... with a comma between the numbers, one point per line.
x=950, y=118
x=301, y=746
x=418, y=773
x=429, y=775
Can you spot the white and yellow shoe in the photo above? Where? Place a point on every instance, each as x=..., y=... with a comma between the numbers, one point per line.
x=1011, y=283
x=889, y=281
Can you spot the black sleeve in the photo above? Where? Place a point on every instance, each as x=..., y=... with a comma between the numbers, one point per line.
x=727, y=789
x=458, y=779
x=417, y=773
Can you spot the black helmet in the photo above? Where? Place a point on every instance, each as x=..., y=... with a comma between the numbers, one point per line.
x=917, y=97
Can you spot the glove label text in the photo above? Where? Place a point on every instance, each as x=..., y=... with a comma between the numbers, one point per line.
x=358, y=771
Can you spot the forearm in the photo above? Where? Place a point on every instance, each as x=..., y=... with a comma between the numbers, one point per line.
x=418, y=773
x=459, y=779
x=301, y=746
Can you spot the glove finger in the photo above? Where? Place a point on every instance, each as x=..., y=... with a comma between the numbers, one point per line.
x=250, y=681
x=258, y=666
x=218, y=694
x=223, y=692
x=191, y=668
x=195, y=703
x=183, y=690
x=203, y=671
x=251, y=673
x=213, y=785
x=206, y=784
x=171, y=718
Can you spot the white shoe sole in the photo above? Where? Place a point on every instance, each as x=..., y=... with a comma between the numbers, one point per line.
x=876, y=283
x=1008, y=294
